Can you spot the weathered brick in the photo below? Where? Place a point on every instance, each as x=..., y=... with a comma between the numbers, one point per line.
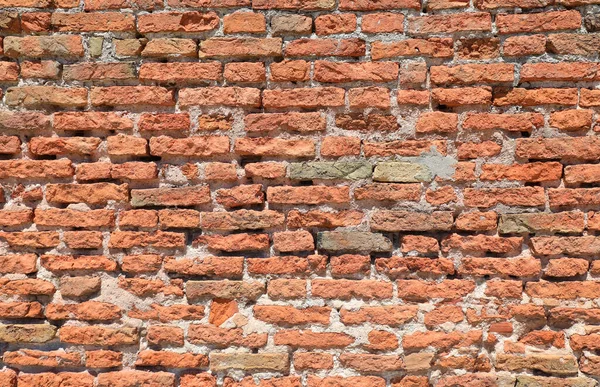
x=98, y=193
x=337, y=72
x=401, y=172
x=41, y=96
x=196, y=147
x=274, y=362
x=411, y=221
x=535, y=97
x=326, y=47
x=244, y=22
x=181, y=72
x=539, y=22
x=450, y=23
x=308, y=195
x=383, y=22
x=187, y=196
x=212, y=96
x=353, y=241
x=224, y=289
x=432, y=47
x=241, y=220
x=27, y=333
x=131, y=95
x=240, y=47
x=274, y=147
x=177, y=22
x=61, y=46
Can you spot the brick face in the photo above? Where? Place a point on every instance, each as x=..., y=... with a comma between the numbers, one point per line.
x=299, y=193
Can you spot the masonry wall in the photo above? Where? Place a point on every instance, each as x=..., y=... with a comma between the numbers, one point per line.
x=286, y=193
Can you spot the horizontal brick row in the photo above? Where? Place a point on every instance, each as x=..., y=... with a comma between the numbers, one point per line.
x=299, y=70
x=145, y=97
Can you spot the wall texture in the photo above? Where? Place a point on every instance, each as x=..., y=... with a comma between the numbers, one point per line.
x=286, y=193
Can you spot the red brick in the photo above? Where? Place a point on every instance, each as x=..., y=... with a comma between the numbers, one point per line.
x=264, y=146
x=124, y=145
x=181, y=72
x=82, y=379
x=303, y=98
x=131, y=378
x=340, y=146
x=555, y=149
x=473, y=74
x=235, y=242
x=312, y=361
x=524, y=45
x=572, y=120
x=376, y=23
x=240, y=47
x=61, y=263
x=103, y=359
x=532, y=172
x=341, y=381
x=177, y=22
x=347, y=289
x=179, y=218
x=212, y=96
x=335, y=72
x=342, y=23
x=164, y=122
x=534, y=97
x=417, y=290
x=398, y=267
x=369, y=97
x=169, y=48
x=521, y=122
x=93, y=171
x=244, y=22
x=195, y=147
x=308, y=5
x=223, y=337
x=46, y=69
x=52, y=146
x=76, y=121
x=462, y=96
x=473, y=150
x=131, y=95
x=308, y=195
x=407, y=148
x=245, y=72
x=160, y=239
x=326, y=47
x=290, y=71
x=322, y=219
x=450, y=23
x=312, y=340
x=539, y=22
x=293, y=121
x=93, y=22
x=432, y=47
x=241, y=220
x=288, y=265
x=370, y=5
x=74, y=218
x=290, y=241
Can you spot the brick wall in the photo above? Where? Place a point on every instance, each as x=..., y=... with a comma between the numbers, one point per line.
x=286, y=193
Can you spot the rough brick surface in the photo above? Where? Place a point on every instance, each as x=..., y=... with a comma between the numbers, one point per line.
x=299, y=193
